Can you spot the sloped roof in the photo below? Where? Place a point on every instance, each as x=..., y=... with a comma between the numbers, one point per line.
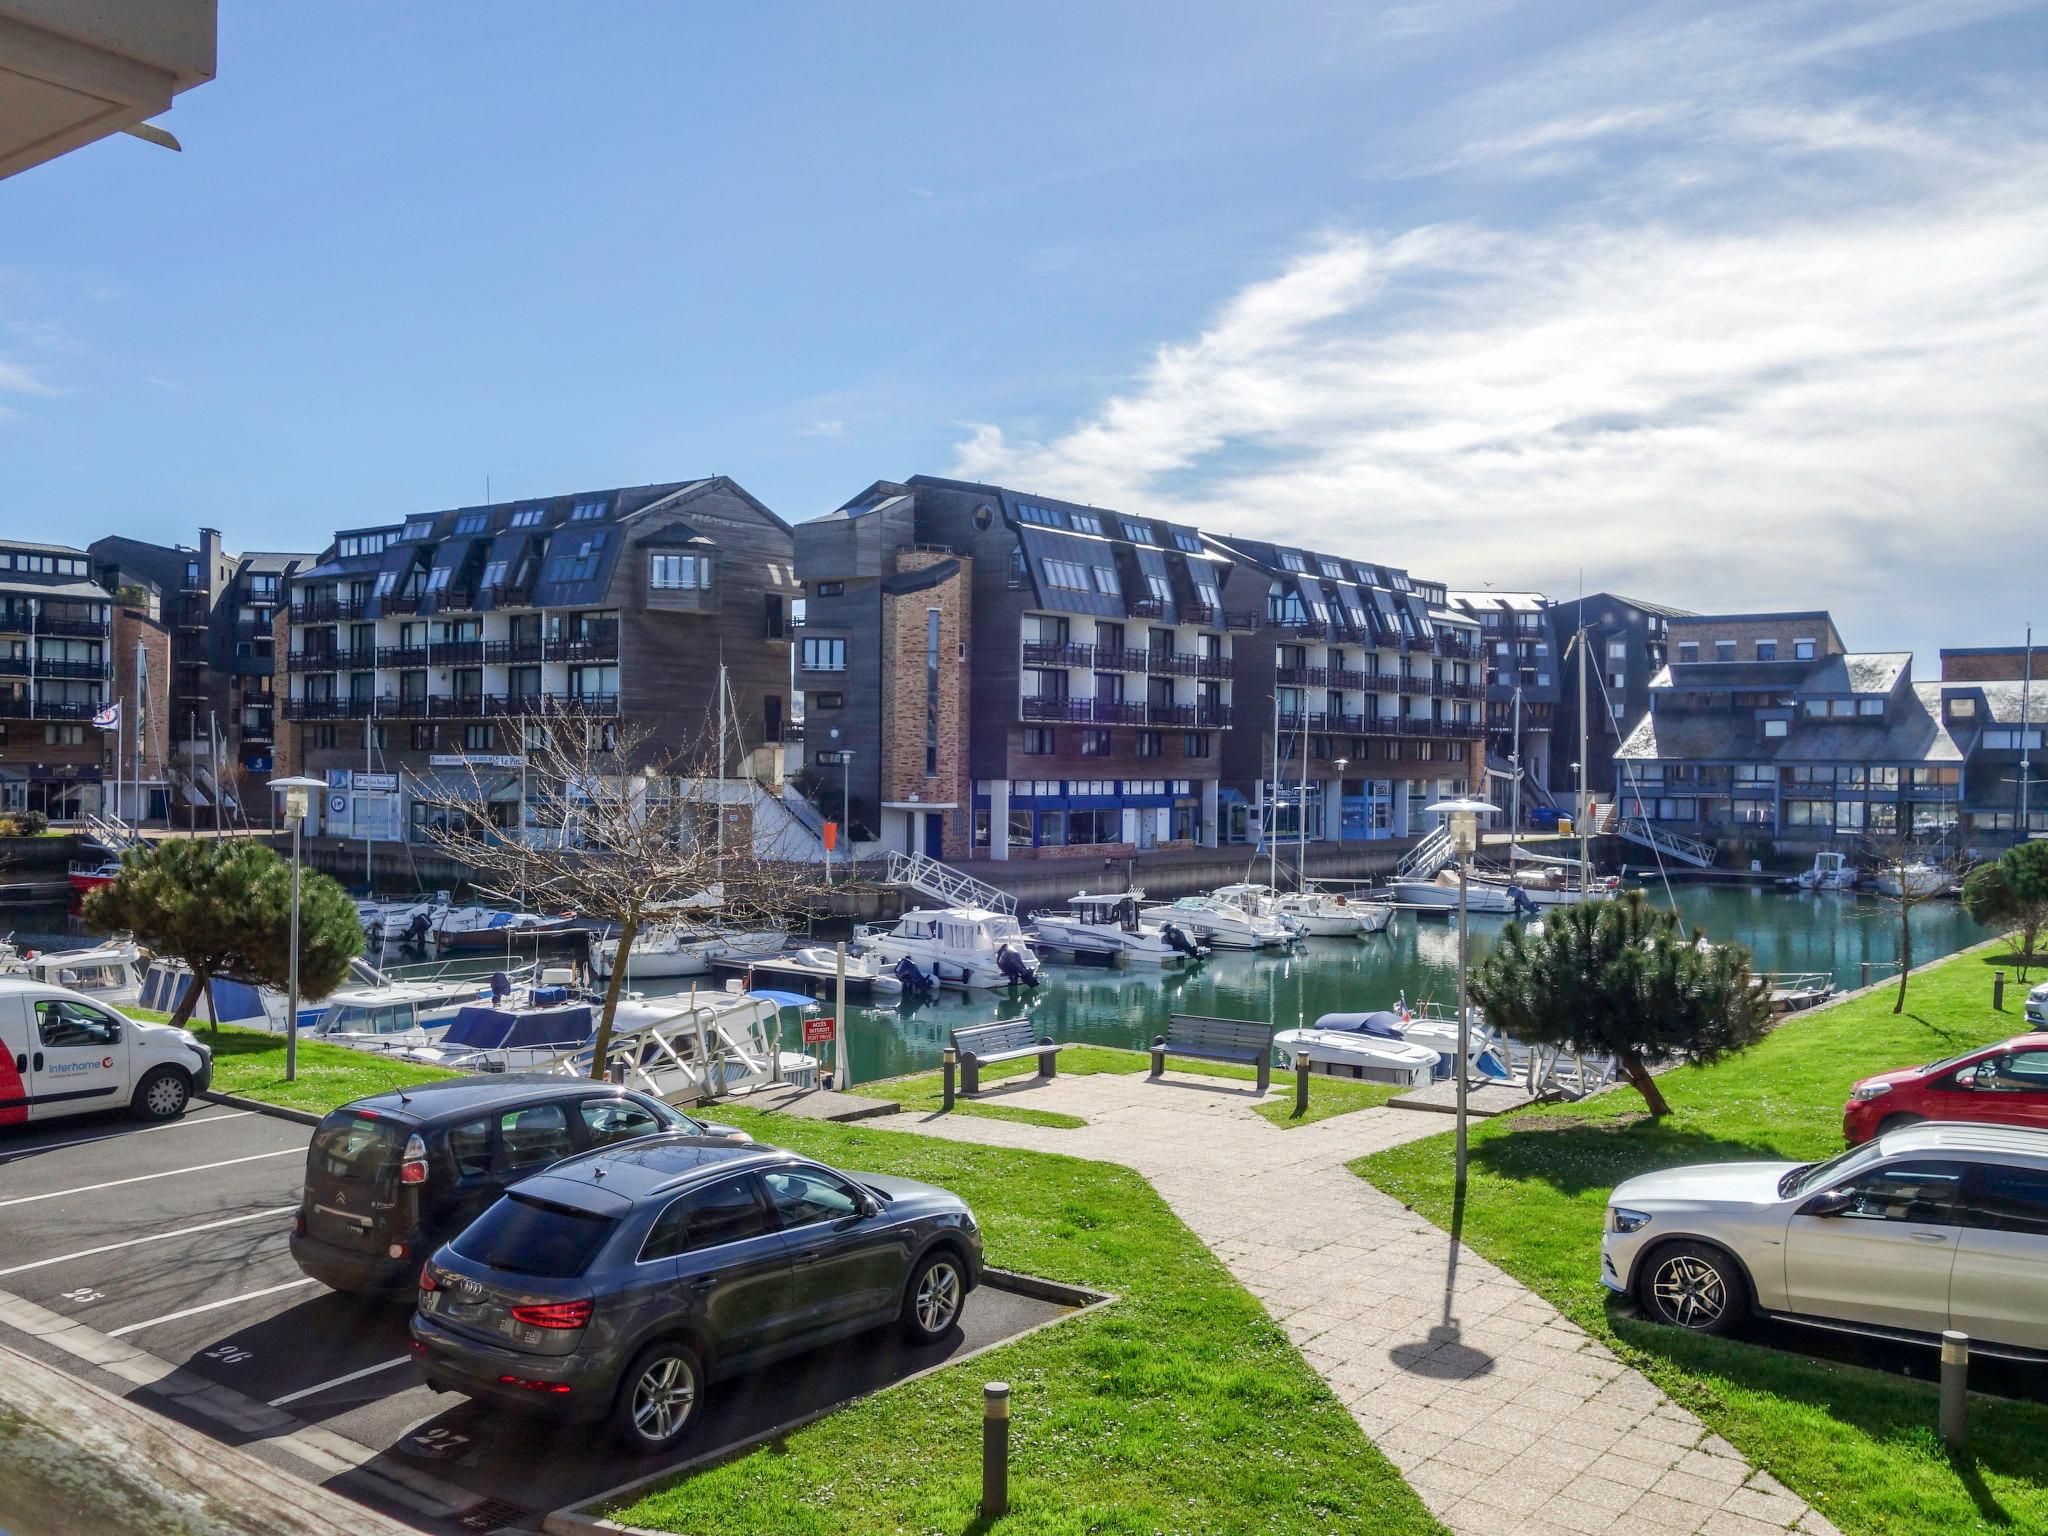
x=1858, y=672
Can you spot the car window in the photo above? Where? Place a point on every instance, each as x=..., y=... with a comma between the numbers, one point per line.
x=804, y=1195
x=727, y=1211
x=470, y=1147
x=2014, y=1072
x=1832, y=1174
x=1917, y=1191
x=535, y=1135
x=535, y=1237
x=2010, y=1199
x=349, y=1145
x=609, y=1120
x=63, y=1022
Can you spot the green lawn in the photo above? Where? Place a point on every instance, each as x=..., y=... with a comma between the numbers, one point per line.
x=1181, y=1408
x=1327, y=1096
x=1859, y=1444
x=250, y=1062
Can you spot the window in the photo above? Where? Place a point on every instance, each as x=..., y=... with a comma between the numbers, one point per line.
x=582, y=564
x=1069, y=575
x=1137, y=532
x=1106, y=582
x=1095, y=743
x=471, y=522
x=1291, y=561
x=418, y=528
x=830, y=759
x=1188, y=542
x=437, y=579
x=1921, y=1192
x=1688, y=650
x=1044, y=517
x=62, y=1022
x=63, y=735
x=494, y=576
x=610, y=1120
x=1776, y=728
x=828, y=701
x=824, y=655
x=804, y=1195
x=2009, y=1199
x=1038, y=741
x=534, y=1136
x=527, y=517
x=1617, y=650
x=529, y=1236
x=1870, y=707
x=480, y=738
x=469, y=1148
x=1617, y=709
x=422, y=738
x=588, y=511
x=1330, y=568
x=1724, y=650
x=1151, y=744
x=679, y=573
x=831, y=589
x=1767, y=650
x=1802, y=650
x=325, y=736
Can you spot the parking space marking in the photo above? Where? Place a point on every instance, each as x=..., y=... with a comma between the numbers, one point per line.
x=141, y=1178
x=339, y=1381
x=80, y=1141
x=211, y=1306
x=154, y=1237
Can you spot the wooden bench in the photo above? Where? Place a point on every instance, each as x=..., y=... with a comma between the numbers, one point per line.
x=981, y=1045
x=1233, y=1040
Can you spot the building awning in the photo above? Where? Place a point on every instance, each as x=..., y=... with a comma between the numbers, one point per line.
x=1225, y=795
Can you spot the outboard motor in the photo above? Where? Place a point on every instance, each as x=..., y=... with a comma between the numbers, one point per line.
x=1013, y=965
x=1179, y=941
x=913, y=979
x=501, y=988
x=417, y=934
x=1524, y=907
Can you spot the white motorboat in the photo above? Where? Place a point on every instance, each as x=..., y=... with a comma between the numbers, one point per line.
x=1918, y=878
x=671, y=949
x=112, y=973
x=1440, y=894
x=380, y=1013
x=1367, y=1055
x=1220, y=923
x=480, y=927
x=485, y=1038
x=1322, y=915
x=400, y=922
x=1830, y=872
x=964, y=947
x=1548, y=885
x=688, y=1049
x=867, y=974
x=1109, y=925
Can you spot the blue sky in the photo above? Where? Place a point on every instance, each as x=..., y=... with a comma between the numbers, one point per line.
x=1731, y=305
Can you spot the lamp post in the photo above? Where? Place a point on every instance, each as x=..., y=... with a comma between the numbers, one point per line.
x=1342, y=764
x=1464, y=819
x=298, y=799
x=846, y=802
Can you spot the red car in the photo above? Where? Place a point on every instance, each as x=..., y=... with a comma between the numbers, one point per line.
x=2003, y=1084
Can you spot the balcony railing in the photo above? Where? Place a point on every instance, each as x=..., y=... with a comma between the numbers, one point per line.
x=1072, y=711
x=19, y=707
x=78, y=669
x=1314, y=677
x=484, y=706
x=1320, y=722
x=1144, y=607
x=498, y=653
x=456, y=653
x=330, y=661
x=1241, y=618
x=1453, y=645
x=1058, y=653
x=329, y=709
x=325, y=610
x=401, y=655
x=601, y=646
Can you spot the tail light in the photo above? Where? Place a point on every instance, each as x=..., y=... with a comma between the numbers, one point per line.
x=554, y=1314
x=427, y=1280
x=533, y=1386
x=414, y=1169
x=299, y=1222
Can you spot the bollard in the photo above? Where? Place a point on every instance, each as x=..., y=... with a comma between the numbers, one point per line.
x=951, y=1070
x=995, y=1450
x=1866, y=973
x=616, y=1071
x=1301, y=1083
x=1955, y=1388
x=1998, y=990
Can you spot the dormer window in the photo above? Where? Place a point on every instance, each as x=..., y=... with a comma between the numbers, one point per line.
x=1962, y=707
x=527, y=517
x=418, y=528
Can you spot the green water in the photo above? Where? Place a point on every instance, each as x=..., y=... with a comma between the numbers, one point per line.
x=1417, y=956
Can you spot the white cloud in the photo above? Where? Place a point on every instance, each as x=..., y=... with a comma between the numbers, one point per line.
x=1831, y=392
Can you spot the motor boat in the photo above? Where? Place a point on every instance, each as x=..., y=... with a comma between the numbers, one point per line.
x=486, y=1038
x=377, y=1012
x=111, y=973
x=1259, y=901
x=1323, y=915
x=963, y=947
x=1109, y=925
x=688, y=1049
x=86, y=877
x=817, y=967
x=1918, y=878
x=666, y=950
x=1830, y=872
x=1348, y=1045
x=1440, y=894
x=400, y=922
x=485, y=928
x=1220, y=924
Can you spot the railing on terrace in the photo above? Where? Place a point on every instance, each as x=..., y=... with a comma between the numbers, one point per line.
x=19, y=707
x=1058, y=653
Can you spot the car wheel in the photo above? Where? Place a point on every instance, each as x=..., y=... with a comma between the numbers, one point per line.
x=1897, y=1123
x=934, y=1297
x=162, y=1095
x=658, y=1397
x=1692, y=1286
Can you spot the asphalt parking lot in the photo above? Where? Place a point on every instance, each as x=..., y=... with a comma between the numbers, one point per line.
x=174, y=1239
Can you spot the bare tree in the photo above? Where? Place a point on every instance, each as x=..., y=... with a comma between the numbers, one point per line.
x=620, y=828
x=1907, y=869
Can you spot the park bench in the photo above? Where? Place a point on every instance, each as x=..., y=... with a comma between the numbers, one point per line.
x=1233, y=1040
x=983, y=1045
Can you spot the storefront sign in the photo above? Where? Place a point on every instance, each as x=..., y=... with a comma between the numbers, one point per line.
x=458, y=760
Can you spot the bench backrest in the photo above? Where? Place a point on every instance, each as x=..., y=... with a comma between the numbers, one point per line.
x=989, y=1039
x=1218, y=1034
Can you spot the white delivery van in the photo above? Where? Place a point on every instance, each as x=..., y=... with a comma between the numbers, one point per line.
x=62, y=1053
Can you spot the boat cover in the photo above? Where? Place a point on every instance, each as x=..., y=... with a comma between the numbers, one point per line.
x=480, y=1028
x=1385, y=1024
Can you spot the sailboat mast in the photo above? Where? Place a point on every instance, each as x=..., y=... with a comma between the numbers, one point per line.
x=1585, y=763
x=369, y=732
x=1301, y=812
x=1515, y=786
x=1273, y=801
x=2021, y=827
x=721, y=770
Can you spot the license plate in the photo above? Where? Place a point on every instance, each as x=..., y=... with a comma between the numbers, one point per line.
x=359, y=1222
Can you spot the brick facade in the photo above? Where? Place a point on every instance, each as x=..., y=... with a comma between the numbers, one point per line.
x=905, y=640
x=1992, y=664
x=1744, y=630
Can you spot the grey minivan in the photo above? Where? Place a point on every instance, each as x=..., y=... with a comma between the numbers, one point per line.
x=621, y=1284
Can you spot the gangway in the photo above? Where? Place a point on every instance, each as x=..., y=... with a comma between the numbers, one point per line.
x=1687, y=850
x=1428, y=856
x=944, y=883
x=110, y=833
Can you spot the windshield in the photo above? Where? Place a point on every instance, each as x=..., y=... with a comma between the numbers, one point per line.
x=526, y=1236
x=349, y=1145
x=1809, y=1177
x=1952, y=1061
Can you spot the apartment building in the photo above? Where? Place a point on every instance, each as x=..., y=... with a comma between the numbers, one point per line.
x=1627, y=645
x=1360, y=697
x=998, y=674
x=1997, y=698
x=56, y=675
x=431, y=643
x=1519, y=651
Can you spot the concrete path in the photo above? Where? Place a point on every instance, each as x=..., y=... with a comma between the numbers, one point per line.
x=1507, y=1419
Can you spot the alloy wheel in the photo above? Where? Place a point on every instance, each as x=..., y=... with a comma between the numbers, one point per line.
x=1690, y=1291
x=938, y=1297
x=663, y=1398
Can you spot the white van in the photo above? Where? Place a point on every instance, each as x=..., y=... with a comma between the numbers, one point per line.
x=62, y=1053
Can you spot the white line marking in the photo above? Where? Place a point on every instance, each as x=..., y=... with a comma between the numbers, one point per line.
x=154, y=1237
x=143, y=1178
x=212, y=1306
x=80, y=1141
x=339, y=1381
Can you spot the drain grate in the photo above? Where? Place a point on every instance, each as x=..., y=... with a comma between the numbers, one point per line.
x=492, y=1515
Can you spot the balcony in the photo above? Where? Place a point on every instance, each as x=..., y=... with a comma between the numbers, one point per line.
x=1241, y=618
x=1084, y=711
x=1189, y=716
x=325, y=610
x=330, y=661
x=100, y=670
x=453, y=600
x=1186, y=664
x=456, y=653
x=401, y=655
x=486, y=706
x=599, y=645
x=18, y=707
x=1144, y=607
x=1058, y=653
x=1314, y=677
x=499, y=653
x=329, y=709
x=1453, y=645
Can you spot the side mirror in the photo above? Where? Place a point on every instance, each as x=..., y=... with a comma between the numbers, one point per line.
x=1832, y=1203
x=869, y=1206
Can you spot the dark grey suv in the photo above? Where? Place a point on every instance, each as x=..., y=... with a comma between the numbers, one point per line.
x=622, y=1283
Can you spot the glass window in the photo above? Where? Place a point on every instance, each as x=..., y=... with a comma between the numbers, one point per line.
x=469, y=1147
x=2010, y=1199
x=351, y=1145
x=1775, y=728
x=62, y=1022
x=610, y=1120
x=824, y=655
x=2013, y=1072
x=726, y=1211
x=1767, y=650
x=804, y=1195
x=534, y=1136
x=526, y=1236
x=1802, y=650
x=1916, y=1191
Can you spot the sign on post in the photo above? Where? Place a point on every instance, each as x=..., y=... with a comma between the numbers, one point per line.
x=820, y=1030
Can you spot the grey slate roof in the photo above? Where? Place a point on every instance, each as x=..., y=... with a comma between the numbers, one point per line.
x=1910, y=732
x=2002, y=701
x=1858, y=672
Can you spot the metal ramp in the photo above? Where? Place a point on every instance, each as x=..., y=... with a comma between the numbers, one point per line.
x=944, y=883
x=1687, y=850
x=110, y=833
x=1428, y=856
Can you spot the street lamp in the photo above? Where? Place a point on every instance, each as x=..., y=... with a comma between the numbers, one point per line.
x=298, y=800
x=846, y=801
x=1464, y=819
x=1342, y=764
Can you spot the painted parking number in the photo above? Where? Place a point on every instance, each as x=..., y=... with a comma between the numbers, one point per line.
x=230, y=1354
x=83, y=1294
x=437, y=1443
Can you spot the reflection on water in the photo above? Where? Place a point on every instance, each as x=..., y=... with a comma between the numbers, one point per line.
x=1417, y=957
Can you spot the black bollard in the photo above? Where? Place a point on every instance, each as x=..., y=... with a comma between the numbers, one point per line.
x=951, y=1070
x=995, y=1450
x=1998, y=990
x=1301, y=1084
x=1955, y=1388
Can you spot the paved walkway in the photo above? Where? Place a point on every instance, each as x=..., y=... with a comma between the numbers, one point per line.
x=1507, y=1419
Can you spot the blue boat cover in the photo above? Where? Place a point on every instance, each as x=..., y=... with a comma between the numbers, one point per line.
x=480, y=1028
x=1386, y=1025
x=786, y=999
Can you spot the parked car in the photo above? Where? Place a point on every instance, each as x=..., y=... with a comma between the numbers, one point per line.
x=1546, y=818
x=2037, y=1005
x=622, y=1284
x=2002, y=1084
x=391, y=1176
x=1933, y=1226
x=61, y=1053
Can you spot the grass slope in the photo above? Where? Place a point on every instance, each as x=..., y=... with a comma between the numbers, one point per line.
x=1327, y=1096
x=1183, y=1408
x=250, y=1063
x=1859, y=1444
